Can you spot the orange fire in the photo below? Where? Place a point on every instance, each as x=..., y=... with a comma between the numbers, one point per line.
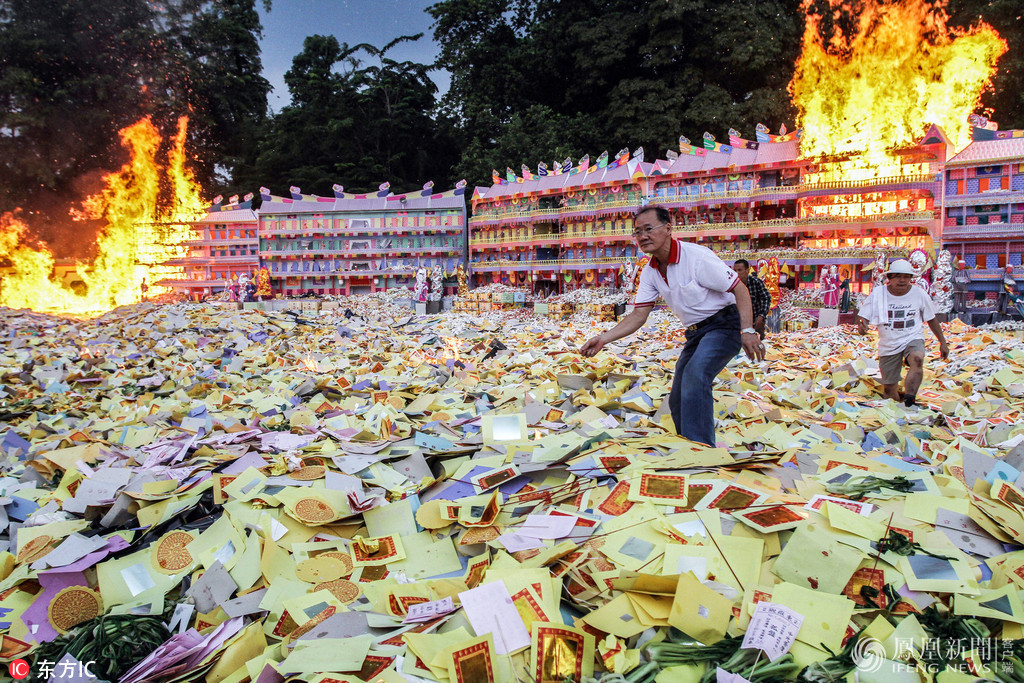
x=136, y=239
x=449, y=352
x=309, y=363
x=880, y=88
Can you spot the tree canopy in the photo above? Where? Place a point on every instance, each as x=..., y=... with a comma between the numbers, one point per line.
x=357, y=117
x=597, y=74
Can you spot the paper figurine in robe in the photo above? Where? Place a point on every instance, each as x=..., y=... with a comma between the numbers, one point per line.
x=961, y=282
x=460, y=273
x=263, y=290
x=922, y=263
x=1007, y=291
x=771, y=280
x=421, y=285
x=844, y=291
x=233, y=294
x=942, y=282
x=830, y=286
x=436, y=283
x=878, y=274
x=243, y=287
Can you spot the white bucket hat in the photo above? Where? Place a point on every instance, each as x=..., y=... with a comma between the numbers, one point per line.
x=900, y=267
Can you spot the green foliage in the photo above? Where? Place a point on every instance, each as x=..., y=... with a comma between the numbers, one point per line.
x=219, y=81
x=612, y=73
x=357, y=117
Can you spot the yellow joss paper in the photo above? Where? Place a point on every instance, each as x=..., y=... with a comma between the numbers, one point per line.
x=699, y=611
x=825, y=615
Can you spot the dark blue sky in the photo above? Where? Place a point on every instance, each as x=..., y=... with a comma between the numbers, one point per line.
x=350, y=21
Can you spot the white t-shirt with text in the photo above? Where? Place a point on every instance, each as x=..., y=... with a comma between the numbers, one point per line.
x=900, y=319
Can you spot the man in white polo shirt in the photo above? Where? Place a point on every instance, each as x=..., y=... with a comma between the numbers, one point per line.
x=900, y=310
x=708, y=296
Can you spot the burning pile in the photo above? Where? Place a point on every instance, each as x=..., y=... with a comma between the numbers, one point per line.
x=900, y=69
x=137, y=237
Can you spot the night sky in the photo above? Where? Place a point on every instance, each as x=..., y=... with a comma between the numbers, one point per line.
x=350, y=21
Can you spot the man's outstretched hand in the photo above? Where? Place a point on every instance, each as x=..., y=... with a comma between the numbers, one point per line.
x=753, y=346
x=593, y=345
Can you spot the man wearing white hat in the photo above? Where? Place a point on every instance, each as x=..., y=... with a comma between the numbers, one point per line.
x=900, y=309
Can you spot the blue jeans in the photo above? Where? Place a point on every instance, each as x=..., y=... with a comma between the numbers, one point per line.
x=705, y=353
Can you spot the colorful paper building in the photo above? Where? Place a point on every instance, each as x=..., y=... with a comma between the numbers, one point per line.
x=983, y=206
x=225, y=247
x=348, y=244
x=747, y=200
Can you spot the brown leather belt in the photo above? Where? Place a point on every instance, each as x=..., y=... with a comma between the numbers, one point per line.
x=710, y=319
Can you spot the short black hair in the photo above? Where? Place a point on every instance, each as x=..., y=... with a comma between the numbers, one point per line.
x=659, y=211
x=742, y=261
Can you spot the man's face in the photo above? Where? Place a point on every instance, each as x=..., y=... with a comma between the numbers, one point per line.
x=899, y=284
x=742, y=270
x=650, y=233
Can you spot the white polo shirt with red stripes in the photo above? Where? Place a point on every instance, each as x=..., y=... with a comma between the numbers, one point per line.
x=697, y=285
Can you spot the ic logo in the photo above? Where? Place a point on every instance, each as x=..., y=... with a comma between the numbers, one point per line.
x=19, y=669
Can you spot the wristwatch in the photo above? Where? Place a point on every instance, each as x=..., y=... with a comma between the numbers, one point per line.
x=748, y=330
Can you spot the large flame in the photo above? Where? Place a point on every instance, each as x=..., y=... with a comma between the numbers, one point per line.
x=451, y=351
x=138, y=237
x=879, y=87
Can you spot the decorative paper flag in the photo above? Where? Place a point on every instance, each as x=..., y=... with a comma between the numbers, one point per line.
x=339, y=191
x=671, y=154
x=639, y=154
x=621, y=158
x=583, y=165
x=763, y=133
x=461, y=184
x=602, y=160
x=248, y=197
x=979, y=121
x=742, y=144
x=233, y=199
x=218, y=199
x=782, y=129
x=683, y=140
x=709, y=140
x=527, y=174
x=734, y=133
x=265, y=192
x=510, y=175
x=567, y=165
x=542, y=169
x=556, y=169
x=496, y=179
